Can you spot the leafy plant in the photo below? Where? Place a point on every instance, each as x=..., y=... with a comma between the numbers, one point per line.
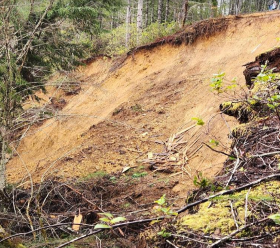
x=163, y=208
x=218, y=83
x=266, y=93
x=108, y=220
x=201, y=181
x=214, y=142
x=275, y=218
x=199, y=121
x=163, y=233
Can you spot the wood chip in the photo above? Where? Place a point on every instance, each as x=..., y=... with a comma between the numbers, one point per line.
x=77, y=220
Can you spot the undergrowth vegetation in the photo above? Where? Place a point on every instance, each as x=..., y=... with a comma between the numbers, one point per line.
x=114, y=42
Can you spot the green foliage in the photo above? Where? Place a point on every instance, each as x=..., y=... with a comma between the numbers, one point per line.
x=275, y=218
x=85, y=14
x=163, y=207
x=232, y=158
x=161, y=201
x=163, y=233
x=58, y=43
x=54, y=45
x=114, y=42
x=102, y=226
x=199, y=121
x=218, y=84
x=113, y=179
x=139, y=174
x=266, y=95
x=273, y=101
x=265, y=74
x=108, y=220
x=214, y=142
x=201, y=181
x=13, y=90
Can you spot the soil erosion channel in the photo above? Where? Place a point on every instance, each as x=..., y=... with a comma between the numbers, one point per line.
x=125, y=113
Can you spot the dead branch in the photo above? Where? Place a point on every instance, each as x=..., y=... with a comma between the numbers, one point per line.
x=265, y=154
x=226, y=154
x=235, y=166
x=169, y=242
x=143, y=221
x=184, y=209
x=93, y=232
x=88, y=201
x=25, y=49
x=35, y=230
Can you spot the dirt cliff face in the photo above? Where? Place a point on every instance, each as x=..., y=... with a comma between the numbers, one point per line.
x=129, y=108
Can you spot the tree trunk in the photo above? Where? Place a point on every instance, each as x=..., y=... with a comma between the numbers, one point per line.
x=128, y=18
x=159, y=10
x=7, y=117
x=152, y=10
x=231, y=7
x=139, y=20
x=147, y=14
x=3, y=164
x=186, y=6
x=238, y=6
x=166, y=11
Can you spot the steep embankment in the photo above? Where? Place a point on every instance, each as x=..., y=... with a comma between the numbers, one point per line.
x=126, y=110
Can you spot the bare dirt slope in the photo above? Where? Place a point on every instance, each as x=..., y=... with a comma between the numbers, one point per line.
x=126, y=110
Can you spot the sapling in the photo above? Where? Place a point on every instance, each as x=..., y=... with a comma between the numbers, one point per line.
x=108, y=220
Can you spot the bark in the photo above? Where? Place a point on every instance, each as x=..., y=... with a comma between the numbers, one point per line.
x=166, y=11
x=147, y=14
x=231, y=7
x=238, y=6
x=186, y=7
x=6, y=122
x=3, y=166
x=139, y=20
x=152, y=11
x=128, y=18
x=159, y=10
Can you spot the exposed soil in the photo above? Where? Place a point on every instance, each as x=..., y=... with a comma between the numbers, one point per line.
x=119, y=116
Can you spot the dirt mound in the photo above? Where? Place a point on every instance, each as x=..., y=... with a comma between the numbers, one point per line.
x=125, y=111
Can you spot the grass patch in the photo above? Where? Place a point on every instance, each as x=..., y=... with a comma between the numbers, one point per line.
x=139, y=174
x=97, y=174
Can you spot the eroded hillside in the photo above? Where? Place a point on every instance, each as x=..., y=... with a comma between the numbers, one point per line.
x=131, y=107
